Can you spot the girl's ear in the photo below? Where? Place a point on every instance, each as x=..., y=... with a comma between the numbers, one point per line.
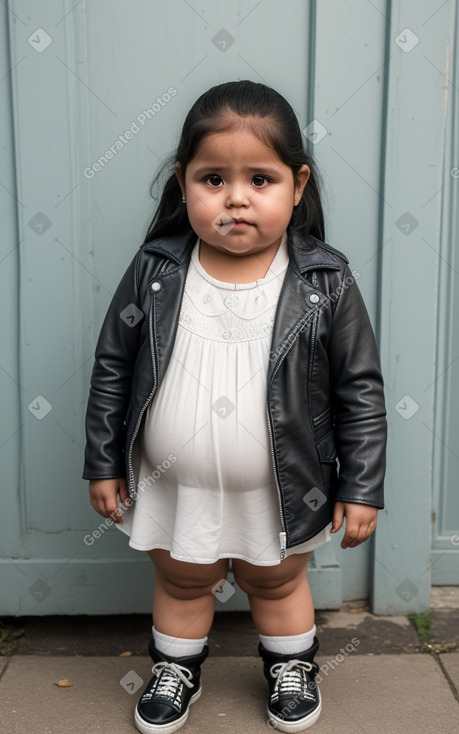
x=301, y=180
x=179, y=174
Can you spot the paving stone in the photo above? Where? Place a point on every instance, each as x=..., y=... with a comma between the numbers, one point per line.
x=365, y=694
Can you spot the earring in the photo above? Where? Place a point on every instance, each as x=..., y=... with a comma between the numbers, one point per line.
x=183, y=199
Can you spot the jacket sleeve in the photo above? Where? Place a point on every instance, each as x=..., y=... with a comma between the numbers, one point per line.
x=358, y=399
x=111, y=378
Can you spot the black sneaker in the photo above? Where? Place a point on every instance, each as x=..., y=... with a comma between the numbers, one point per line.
x=176, y=683
x=294, y=697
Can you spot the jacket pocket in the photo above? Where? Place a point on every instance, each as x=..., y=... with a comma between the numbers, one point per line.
x=326, y=449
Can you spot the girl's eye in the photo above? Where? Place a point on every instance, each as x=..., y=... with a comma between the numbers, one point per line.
x=214, y=179
x=259, y=181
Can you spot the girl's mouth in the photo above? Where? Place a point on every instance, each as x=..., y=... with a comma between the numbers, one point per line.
x=224, y=223
x=241, y=224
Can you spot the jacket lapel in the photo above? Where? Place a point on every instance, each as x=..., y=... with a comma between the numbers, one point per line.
x=298, y=302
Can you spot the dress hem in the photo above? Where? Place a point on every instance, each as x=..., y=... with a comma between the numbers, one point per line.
x=290, y=551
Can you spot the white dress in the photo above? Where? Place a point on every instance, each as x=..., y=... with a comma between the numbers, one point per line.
x=204, y=472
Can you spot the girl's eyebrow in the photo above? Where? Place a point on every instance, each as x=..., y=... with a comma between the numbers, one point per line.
x=205, y=169
x=221, y=169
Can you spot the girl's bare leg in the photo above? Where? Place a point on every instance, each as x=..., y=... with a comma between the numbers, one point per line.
x=279, y=596
x=183, y=603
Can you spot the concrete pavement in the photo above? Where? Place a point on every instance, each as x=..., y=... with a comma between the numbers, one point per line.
x=383, y=684
x=394, y=694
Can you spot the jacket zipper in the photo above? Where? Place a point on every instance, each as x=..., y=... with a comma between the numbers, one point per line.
x=313, y=343
x=315, y=283
x=283, y=533
x=145, y=405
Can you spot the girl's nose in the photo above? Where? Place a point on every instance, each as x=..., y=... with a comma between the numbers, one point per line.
x=237, y=196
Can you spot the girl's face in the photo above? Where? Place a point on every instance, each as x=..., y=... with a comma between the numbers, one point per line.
x=239, y=194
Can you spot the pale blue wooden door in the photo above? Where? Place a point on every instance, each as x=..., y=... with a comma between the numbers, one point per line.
x=94, y=95
x=445, y=551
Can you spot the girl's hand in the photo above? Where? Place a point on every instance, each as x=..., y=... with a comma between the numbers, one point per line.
x=104, y=497
x=360, y=522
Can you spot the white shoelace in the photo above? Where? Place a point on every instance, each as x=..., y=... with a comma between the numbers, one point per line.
x=290, y=676
x=169, y=677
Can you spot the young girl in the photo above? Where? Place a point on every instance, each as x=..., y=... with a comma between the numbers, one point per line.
x=235, y=368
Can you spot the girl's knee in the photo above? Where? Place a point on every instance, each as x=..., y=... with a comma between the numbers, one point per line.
x=185, y=590
x=271, y=582
x=187, y=580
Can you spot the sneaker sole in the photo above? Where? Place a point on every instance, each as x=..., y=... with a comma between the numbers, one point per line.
x=294, y=726
x=146, y=728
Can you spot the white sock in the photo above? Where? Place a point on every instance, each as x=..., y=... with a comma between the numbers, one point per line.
x=177, y=647
x=289, y=645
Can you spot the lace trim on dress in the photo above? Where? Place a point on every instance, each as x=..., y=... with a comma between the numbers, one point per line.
x=232, y=312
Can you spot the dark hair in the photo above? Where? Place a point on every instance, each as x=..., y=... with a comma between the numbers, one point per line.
x=272, y=119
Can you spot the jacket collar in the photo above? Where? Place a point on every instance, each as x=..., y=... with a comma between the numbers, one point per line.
x=176, y=247
x=312, y=254
x=307, y=255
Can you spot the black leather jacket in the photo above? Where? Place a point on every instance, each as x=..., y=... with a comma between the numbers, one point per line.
x=325, y=396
